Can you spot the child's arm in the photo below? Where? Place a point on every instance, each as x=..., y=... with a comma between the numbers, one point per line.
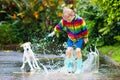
x=57, y=29
x=84, y=32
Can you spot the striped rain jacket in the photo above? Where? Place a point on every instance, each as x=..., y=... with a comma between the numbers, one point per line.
x=76, y=29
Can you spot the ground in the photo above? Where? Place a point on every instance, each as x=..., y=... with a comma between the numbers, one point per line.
x=10, y=63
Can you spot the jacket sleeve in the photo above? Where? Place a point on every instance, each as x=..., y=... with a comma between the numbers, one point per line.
x=84, y=30
x=58, y=28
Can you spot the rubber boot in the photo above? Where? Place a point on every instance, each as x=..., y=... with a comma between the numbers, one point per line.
x=68, y=63
x=79, y=66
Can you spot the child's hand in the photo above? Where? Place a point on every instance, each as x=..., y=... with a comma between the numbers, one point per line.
x=51, y=34
x=85, y=40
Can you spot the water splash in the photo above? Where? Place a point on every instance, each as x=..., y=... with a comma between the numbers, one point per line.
x=91, y=64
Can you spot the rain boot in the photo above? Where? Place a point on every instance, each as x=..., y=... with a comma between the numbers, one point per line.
x=79, y=66
x=68, y=63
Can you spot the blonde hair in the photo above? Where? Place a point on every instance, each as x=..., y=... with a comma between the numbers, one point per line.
x=68, y=11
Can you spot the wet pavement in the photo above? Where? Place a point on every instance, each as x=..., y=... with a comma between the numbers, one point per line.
x=11, y=61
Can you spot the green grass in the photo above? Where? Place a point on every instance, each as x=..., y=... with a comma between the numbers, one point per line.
x=112, y=51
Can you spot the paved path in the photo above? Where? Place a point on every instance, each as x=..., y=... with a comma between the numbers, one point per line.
x=10, y=63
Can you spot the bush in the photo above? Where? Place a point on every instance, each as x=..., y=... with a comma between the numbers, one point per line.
x=7, y=35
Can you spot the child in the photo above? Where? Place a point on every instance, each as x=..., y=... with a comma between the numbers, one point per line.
x=77, y=34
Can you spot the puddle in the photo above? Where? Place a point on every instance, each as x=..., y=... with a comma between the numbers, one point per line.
x=10, y=63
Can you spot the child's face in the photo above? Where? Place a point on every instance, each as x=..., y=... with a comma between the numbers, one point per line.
x=68, y=14
x=68, y=17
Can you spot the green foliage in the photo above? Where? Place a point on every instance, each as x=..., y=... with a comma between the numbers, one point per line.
x=36, y=18
x=31, y=19
x=117, y=38
x=110, y=27
x=102, y=19
x=105, y=30
x=7, y=34
x=112, y=51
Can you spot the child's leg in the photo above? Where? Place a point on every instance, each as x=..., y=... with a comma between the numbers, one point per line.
x=78, y=53
x=79, y=56
x=79, y=66
x=68, y=60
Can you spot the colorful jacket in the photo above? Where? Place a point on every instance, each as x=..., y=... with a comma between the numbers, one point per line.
x=75, y=29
